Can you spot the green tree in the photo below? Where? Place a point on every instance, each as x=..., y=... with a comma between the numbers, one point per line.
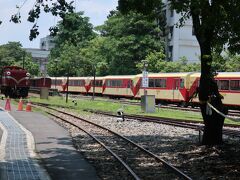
x=12, y=54
x=74, y=33
x=75, y=29
x=215, y=23
x=95, y=54
x=232, y=63
x=67, y=62
x=129, y=39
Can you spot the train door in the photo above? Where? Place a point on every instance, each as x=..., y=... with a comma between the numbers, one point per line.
x=128, y=86
x=175, y=89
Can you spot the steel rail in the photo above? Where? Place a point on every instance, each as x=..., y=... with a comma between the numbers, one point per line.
x=133, y=174
x=171, y=122
x=166, y=164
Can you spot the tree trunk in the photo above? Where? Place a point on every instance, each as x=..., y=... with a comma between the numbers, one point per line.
x=208, y=92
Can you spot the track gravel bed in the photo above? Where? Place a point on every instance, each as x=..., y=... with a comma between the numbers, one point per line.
x=177, y=145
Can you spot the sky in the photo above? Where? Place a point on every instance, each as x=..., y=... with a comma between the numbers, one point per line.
x=96, y=10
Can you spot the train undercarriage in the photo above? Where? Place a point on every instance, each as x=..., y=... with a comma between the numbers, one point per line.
x=15, y=92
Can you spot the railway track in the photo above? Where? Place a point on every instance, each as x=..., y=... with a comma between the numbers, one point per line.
x=137, y=162
x=231, y=112
x=198, y=126
x=230, y=130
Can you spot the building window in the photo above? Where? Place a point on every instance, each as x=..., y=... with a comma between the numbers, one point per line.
x=170, y=49
x=171, y=12
x=170, y=35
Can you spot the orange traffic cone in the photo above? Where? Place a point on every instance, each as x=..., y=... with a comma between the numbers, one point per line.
x=28, y=107
x=20, y=105
x=7, y=105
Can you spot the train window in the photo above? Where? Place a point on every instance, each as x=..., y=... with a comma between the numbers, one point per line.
x=181, y=83
x=98, y=83
x=223, y=84
x=151, y=83
x=157, y=83
x=163, y=83
x=71, y=83
x=76, y=82
x=108, y=83
x=160, y=83
x=129, y=83
x=235, y=84
x=114, y=83
x=82, y=83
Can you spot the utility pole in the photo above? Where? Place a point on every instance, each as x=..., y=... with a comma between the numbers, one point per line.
x=67, y=84
x=24, y=54
x=94, y=77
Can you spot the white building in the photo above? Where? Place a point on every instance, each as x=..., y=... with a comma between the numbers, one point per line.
x=47, y=43
x=180, y=42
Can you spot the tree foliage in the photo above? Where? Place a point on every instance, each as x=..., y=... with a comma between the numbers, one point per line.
x=56, y=8
x=128, y=40
x=13, y=54
x=74, y=33
x=75, y=28
x=215, y=23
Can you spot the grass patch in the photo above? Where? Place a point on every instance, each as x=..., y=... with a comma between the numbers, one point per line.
x=100, y=105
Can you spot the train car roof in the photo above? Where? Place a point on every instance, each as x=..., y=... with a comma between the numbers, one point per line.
x=175, y=74
x=228, y=74
x=119, y=77
x=221, y=74
x=40, y=77
x=97, y=78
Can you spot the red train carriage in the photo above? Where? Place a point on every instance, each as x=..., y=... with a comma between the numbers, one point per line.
x=14, y=81
x=40, y=82
x=228, y=85
x=166, y=87
x=118, y=86
x=75, y=85
x=98, y=89
x=57, y=83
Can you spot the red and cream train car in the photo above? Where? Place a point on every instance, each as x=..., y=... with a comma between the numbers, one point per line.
x=75, y=85
x=166, y=87
x=118, y=86
x=98, y=88
x=228, y=85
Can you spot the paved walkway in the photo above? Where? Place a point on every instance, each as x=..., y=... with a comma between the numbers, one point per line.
x=17, y=150
x=53, y=146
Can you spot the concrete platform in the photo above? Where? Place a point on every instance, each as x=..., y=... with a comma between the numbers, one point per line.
x=54, y=147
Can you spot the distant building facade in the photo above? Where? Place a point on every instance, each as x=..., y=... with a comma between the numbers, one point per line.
x=180, y=42
x=47, y=43
x=41, y=57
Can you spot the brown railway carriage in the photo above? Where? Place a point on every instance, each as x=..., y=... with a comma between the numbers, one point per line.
x=39, y=82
